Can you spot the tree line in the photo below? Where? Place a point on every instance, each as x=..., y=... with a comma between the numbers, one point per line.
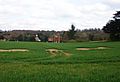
x=70, y=35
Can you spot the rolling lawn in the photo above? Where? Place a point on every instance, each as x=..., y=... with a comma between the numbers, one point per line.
x=65, y=64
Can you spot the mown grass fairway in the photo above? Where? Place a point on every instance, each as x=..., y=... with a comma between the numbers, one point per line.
x=66, y=64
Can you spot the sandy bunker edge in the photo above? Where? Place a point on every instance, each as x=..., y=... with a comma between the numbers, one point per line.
x=54, y=51
x=97, y=48
x=14, y=50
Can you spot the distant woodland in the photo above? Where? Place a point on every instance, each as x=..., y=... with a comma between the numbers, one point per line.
x=78, y=35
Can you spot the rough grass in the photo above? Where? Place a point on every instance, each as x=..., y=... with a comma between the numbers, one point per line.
x=38, y=65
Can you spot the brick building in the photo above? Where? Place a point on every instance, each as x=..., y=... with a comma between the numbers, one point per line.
x=55, y=38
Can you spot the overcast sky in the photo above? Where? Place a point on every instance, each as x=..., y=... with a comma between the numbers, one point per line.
x=55, y=14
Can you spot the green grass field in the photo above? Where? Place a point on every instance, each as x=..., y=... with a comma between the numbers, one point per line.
x=39, y=65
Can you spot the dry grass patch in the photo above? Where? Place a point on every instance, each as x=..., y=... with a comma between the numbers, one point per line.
x=55, y=52
x=98, y=48
x=14, y=50
x=67, y=54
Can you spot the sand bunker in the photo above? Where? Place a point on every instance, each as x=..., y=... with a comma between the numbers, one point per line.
x=98, y=48
x=52, y=51
x=82, y=48
x=14, y=50
x=56, y=52
x=102, y=48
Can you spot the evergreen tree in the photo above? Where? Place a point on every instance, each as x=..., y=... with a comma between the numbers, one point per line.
x=113, y=27
x=71, y=32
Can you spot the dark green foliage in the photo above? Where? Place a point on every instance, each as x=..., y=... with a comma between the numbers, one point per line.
x=65, y=36
x=1, y=37
x=43, y=37
x=71, y=32
x=91, y=35
x=113, y=27
x=25, y=37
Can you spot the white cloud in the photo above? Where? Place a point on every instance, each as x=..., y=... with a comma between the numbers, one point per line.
x=55, y=14
x=115, y=1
